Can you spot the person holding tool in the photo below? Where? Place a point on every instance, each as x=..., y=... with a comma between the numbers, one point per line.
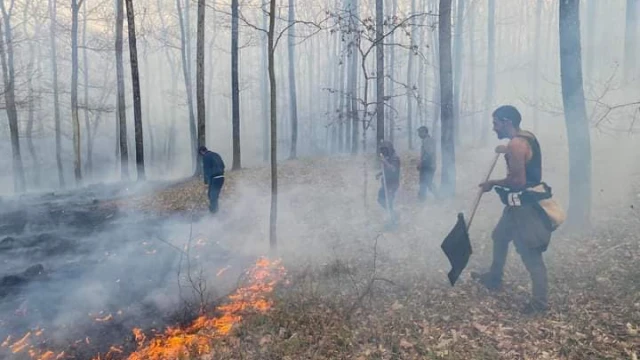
x=525, y=220
x=390, y=173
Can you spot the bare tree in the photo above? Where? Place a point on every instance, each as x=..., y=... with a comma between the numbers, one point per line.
x=31, y=72
x=235, y=86
x=75, y=120
x=631, y=39
x=121, y=102
x=293, y=102
x=446, y=101
x=273, y=214
x=457, y=69
x=379, y=72
x=135, y=79
x=185, y=51
x=575, y=114
x=56, y=97
x=491, y=67
x=9, y=77
x=200, y=98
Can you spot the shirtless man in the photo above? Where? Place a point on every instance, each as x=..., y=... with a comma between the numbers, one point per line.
x=521, y=221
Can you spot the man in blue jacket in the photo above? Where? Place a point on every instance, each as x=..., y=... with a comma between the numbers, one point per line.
x=213, y=169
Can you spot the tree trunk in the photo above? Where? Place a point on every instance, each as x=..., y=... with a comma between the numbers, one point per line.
x=591, y=36
x=273, y=218
x=185, y=50
x=121, y=102
x=575, y=114
x=472, y=71
x=411, y=80
x=200, y=97
x=446, y=103
x=353, y=86
x=85, y=64
x=536, y=66
x=379, y=72
x=235, y=85
x=75, y=121
x=631, y=39
x=293, y=101
x=264, y=87
x=457, y=72
x=491, y=63
x=56, y=96
x=135, y=79
x=32, y=111
x=8, y=73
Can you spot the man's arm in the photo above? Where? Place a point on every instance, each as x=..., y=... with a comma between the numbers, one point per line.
x=517, y=152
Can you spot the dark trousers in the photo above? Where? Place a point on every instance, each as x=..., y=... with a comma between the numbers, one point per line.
x=215, y=185
x=426, y=182
x=531, y=237
x=382, y=200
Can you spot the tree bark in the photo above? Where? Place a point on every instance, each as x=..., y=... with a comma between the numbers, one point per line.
x=631, y=39
x=75, y=120
x=200, y=97
x=491, y=55
x=264, y=87
x=293, y=102
x=457, y=72
x=8, y=72
x=235, y=86
x=31, y=107
x=536, y=66
x=85, y=64
x=121, y=102
x=273, y=214
x=379, y=72
x=575, y=114
x=135, y=79
x=411, y=80
x=56, y=96
x=446, y=101
x=185, y=51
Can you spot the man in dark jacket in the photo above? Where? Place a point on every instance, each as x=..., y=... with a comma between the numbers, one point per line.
x=213, y=170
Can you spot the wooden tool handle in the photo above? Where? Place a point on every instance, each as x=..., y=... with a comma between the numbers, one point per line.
x=480, y=192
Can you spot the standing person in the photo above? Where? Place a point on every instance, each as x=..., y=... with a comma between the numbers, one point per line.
x=523, y=219
x=427, y=165
x=213, y=169
x=390, y=181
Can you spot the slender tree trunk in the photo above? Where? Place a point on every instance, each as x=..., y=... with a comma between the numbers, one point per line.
x=186, y=69
x=353, y=88
x=446, y=103
x=631, y=39
x=411, y=80
x=121, y=102
x=56, y=96
x=135, y=79
x=575, y=114
x=8, y=73
x=32, y=96
x=235, y=86
x=273, y=218
x=85, y=64
x=491, y=63
x=591, y=37
x=293, y=101
x=472, y=70
x=200, y=97
x=457, y=72
x=75, y=121
x=536, y=66
x=264, y=86
x=379, y=72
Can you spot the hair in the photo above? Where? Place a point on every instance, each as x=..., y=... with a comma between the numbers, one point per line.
x=202, y=149
x=510, y=113
x=423, y=128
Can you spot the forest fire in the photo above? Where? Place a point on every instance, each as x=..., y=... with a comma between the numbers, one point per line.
x=196, y=339
x=174, y=342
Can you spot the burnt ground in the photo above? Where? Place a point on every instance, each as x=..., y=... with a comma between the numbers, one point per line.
x=86, y=272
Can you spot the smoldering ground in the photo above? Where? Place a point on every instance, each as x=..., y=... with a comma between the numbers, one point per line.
x=101, y=271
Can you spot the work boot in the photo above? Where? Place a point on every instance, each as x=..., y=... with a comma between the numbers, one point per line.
x=488, y=280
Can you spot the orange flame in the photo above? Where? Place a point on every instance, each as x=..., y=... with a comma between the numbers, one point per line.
x=196, y=339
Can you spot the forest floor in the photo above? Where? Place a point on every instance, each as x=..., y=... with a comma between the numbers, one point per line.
x=355, y=291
